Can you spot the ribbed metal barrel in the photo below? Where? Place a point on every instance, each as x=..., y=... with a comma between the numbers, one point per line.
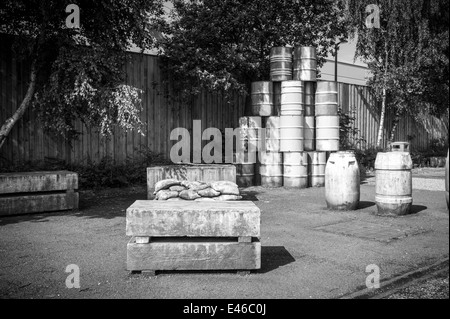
x=393, y=183
x=327, y=133
x=310, y=133
x=305, y=64
x=245, y=174
x=317, y=162
x=291, y=133
x=342, y=181
x=326, y=99
x=280, y=64
x=250, y=132
x=272, y=131
x=271, y=169
x=262, y=98
x=295, y=170
x=292, y=98
x=310, y=92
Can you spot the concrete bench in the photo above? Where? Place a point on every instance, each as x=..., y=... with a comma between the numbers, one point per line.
x=185, y=172
x=193, y=236
x=34, y=192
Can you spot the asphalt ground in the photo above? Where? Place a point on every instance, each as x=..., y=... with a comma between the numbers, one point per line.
x=308, y=251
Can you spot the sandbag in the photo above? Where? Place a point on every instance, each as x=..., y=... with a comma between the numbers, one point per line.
x=227, y=198
x=195, y=186
x=165, y=184
x=177, y=188
x=166, y=194
x=209, y=192
x=175, y=199
x=226, y=188
x=189, y=195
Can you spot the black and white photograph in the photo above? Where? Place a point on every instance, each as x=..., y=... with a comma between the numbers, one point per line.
x=224, y=158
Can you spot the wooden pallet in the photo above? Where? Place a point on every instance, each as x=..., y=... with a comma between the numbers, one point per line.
x=193, y=236
x=35, y=192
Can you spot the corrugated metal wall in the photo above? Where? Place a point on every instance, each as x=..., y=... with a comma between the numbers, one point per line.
x=28, y=142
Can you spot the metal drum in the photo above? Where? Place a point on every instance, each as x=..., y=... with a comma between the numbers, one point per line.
x=342, y=181
x=245, y=174
x=272, y=131
x=295, y=170
x=292, y=98
x=393, y=183
x=280, y=64
x=262, y=98
x=253, y=133
x=291, y=133
x=305, y=64
x=327, y=133
x=309, y=133
x=326, y=98
x=271, y=169
x=310, y=92
x=317, y=162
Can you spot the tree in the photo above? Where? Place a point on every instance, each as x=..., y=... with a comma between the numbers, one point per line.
x=78, y=72
x=225, y=44
x=408, y=56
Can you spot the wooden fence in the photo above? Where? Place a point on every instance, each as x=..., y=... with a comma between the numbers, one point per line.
x=28, y=142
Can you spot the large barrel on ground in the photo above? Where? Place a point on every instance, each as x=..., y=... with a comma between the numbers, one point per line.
x=327, y=133
x=305, y=64
x=245, y=174
x=326, y=98
x=309, y=100
x=309, y=133
x=317, y=162
x=291, y=133
x=272, y=131
x=393, y=183
x=342, y=181
x=295, y=170
x=271, y=169
x=292, y=98
x=254, y=133
x=446, y=180
x=262, y=98
x=280, y=64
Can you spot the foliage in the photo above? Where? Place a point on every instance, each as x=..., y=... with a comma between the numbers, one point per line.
x=408, y=55
x=348, y=133
x=105, y=173
x=80, y=70
x=225, y=44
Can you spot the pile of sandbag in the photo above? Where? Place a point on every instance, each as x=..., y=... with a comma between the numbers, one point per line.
x=171, y=190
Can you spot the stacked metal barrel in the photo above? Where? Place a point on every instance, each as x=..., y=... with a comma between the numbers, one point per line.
x=298, y=122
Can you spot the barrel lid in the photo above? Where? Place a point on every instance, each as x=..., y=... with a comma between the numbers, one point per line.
x=393, y=161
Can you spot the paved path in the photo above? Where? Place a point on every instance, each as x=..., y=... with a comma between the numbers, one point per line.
x=308, y=251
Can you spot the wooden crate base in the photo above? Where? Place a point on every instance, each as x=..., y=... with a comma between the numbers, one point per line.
x=23, y=204
x=193, y=254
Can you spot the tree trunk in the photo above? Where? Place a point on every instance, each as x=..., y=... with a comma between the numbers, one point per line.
x=382, y=116
x=9, y=123
x=394, y=127
x=384, y=100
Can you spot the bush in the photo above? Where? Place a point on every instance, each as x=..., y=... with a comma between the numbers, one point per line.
x=105, y=173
